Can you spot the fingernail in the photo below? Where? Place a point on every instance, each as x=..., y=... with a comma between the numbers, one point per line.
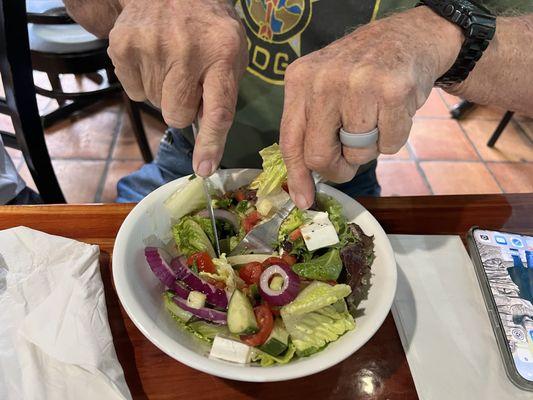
x=205, y=168
x=301, y=202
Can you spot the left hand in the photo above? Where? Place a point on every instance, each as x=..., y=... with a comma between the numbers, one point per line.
x=379, y=75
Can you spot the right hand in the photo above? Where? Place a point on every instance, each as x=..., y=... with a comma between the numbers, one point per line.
x=185, y=57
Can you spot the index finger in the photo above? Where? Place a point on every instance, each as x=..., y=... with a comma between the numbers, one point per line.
x=292, y=136
x=219, y=98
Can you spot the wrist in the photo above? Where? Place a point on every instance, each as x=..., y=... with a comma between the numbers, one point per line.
x=446, y=39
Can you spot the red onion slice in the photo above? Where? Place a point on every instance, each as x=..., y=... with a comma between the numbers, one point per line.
x=157, y=260
x=289, y=290
x=218, y=317
x=222, y=214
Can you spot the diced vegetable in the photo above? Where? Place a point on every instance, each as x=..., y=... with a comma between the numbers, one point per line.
x=278, y=340
x=266, y=360
x=241, y=318
x=225, y=274
x=295, y=219
x=202, y=261
x=251, y=272
x=174, y=309
x=196, y=299
x=218, y=317
x=276, y=283
x=274, y=201
x=265, y=322
x=191, y=238
x=186, y=199
x=214, y=296
x=251, y=220
x=327, y=267
x=230, y=350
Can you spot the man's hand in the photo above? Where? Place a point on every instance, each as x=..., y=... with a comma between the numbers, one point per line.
x=186, y=57
x=379, y=75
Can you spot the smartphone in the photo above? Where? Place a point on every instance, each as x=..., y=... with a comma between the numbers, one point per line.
x=504, y=267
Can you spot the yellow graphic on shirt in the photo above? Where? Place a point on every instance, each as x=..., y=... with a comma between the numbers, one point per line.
x=274, y=29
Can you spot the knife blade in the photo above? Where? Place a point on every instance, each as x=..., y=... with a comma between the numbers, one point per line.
x=210, y=211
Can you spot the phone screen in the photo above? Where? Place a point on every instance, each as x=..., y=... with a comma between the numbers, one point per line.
x=508, y=265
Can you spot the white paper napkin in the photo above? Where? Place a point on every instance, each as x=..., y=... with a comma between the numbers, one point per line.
x=55, y=341
x=443, y=322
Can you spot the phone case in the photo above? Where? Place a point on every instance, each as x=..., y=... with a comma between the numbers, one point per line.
x=492, y=310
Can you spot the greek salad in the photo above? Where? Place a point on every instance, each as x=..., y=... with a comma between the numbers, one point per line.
x=264, y=309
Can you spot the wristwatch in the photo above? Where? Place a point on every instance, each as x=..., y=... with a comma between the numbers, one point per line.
x=478, y=25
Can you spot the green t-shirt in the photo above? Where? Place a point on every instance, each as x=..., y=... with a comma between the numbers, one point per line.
x=278, y=32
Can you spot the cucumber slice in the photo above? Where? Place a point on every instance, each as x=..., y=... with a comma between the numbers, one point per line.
x=276, y=283
x=241, y=317
x=174, y=309
x=278, y=341
x=254, y=292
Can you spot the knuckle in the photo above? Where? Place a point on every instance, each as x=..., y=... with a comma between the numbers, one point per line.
x=220, y=116
x=394, y=92
x=317, y=161
x=390, y=148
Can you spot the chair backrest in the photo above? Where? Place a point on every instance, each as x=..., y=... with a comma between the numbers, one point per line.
x=47, y=12
x=20, y=102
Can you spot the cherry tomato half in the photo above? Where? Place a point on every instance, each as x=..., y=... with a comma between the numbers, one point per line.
x=203, y=262
x=273, y=261
x=251, y=220
x=289, y=259
x=265, y=322
x=295, y=234
x=251, y=272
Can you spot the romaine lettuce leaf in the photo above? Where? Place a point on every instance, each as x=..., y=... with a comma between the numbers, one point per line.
x=327, y=267
x=187, y=198
x=190, y=238
x=274, y=171
x=317, y=317
x=267, y=360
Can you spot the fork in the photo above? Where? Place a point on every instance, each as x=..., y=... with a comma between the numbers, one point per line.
x=262, y=238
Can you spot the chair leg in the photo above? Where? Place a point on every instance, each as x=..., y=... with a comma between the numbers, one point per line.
x=459, y=110
x=138, y=129
x=499, y=129
x=55, y=82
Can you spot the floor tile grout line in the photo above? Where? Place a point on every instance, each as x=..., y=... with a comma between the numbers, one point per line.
x=480, y=157
x=109, y=159
x=521, y=130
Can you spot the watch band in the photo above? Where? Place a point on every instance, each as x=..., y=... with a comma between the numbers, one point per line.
x=478, y=25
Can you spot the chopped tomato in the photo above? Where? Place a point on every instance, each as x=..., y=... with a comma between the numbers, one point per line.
x=265, y=322
x=275, y=311
x=285, y=186
x=219, y=285
x=240, y=195
x=332, y=283
x=295, y=235
x=289, y=259
x=251, y=220
x=203, y=262
x=273, y=261
x=251, y=272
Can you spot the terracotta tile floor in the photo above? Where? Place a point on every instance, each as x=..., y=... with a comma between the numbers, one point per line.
x=91, y=152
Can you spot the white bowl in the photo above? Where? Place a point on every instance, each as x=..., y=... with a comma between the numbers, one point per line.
x=140, y=291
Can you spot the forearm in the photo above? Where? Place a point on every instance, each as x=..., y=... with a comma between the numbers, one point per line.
x=504, y=74
x=97, y=16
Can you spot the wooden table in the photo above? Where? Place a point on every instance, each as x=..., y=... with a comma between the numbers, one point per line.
x=378, y=370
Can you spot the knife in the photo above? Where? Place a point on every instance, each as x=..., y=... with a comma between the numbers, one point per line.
x=195, y=129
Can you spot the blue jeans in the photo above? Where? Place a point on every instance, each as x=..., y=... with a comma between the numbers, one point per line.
x=174, y=160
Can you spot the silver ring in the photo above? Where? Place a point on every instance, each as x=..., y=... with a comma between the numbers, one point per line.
x=359, y=140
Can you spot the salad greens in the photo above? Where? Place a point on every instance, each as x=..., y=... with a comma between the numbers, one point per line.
x=299, y=300
x=315, y=319
x=190, y=238
x=327, y=267
x=274, y=171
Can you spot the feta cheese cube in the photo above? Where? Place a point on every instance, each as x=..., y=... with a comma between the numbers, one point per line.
x=230, y=350
x=319, y=232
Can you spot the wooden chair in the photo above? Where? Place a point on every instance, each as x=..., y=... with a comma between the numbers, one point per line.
x=20, y=102
x=60, y=46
